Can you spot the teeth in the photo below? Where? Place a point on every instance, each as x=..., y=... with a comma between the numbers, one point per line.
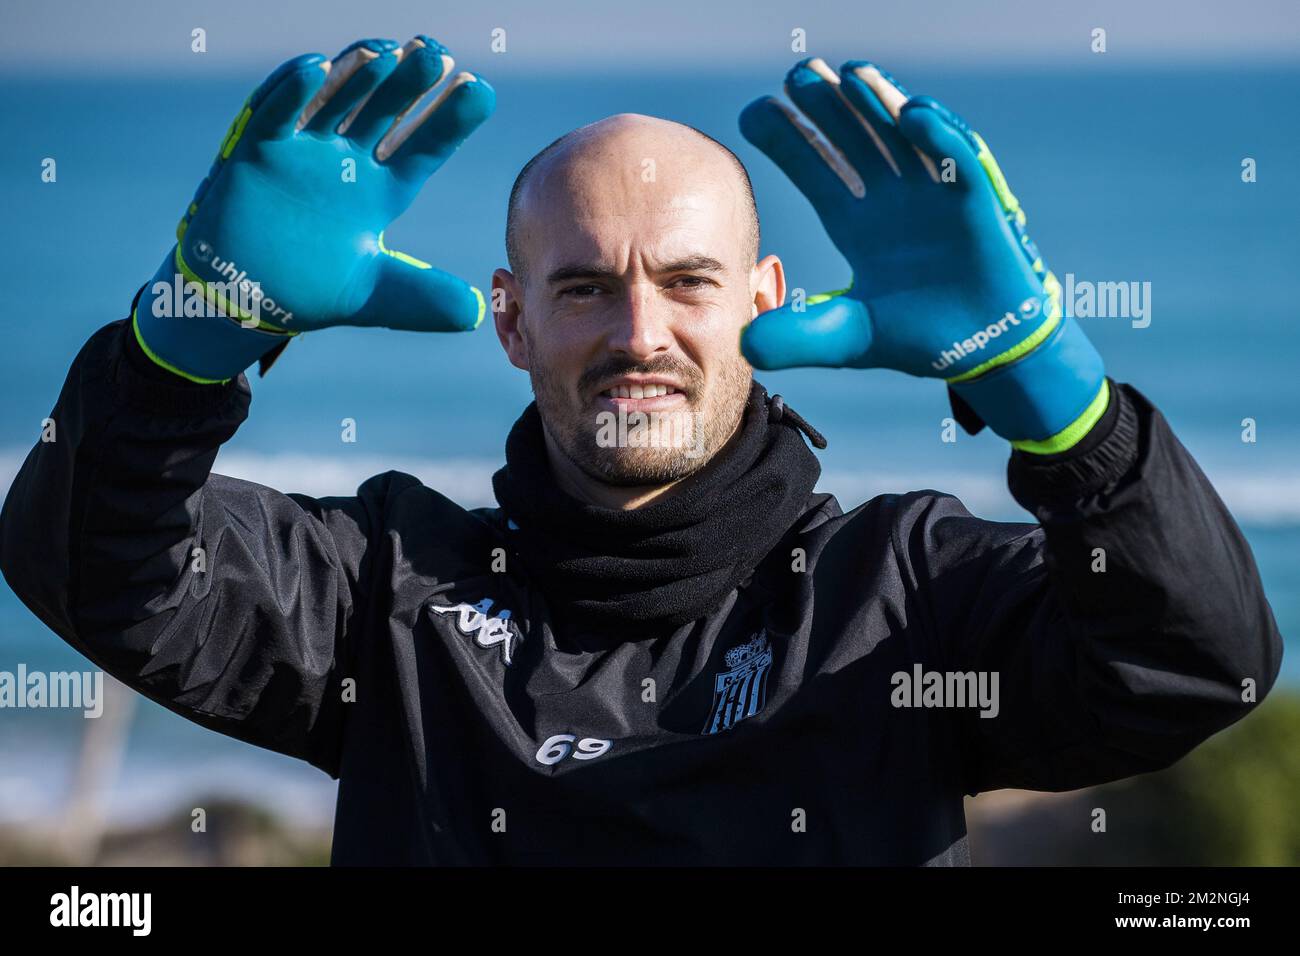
x=639, y=391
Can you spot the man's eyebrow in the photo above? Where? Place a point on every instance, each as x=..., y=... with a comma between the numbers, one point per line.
x=583, y=270
x=694, y=264
x=580, y=270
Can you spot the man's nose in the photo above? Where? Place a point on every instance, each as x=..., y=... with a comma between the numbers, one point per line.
x=642, y=326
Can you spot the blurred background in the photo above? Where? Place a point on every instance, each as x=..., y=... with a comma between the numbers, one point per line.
x=1129, y=163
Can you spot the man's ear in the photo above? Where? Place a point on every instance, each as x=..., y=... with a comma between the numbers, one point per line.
x=508, y=313
x=768, y=284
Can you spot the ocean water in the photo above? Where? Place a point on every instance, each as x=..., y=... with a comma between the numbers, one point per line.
x=1130, y=177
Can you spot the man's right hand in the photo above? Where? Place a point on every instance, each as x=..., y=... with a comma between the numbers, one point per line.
x=285, y=234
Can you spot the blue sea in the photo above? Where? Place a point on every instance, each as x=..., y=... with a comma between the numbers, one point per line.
x=1127, y=177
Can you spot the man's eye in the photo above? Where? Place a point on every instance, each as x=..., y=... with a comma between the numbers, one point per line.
x=582, y=291
x=690, y=282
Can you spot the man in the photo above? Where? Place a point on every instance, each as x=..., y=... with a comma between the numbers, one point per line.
x=654, y=651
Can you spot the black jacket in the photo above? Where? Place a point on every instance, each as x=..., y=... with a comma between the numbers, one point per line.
x=354, y=633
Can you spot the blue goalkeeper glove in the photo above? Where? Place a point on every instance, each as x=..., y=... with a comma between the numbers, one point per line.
x=286, y=233
x=946, y=282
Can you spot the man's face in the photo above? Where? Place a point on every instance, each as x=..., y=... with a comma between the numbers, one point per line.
x=638, y=278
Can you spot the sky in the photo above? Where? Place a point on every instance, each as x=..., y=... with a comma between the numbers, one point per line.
x=133, y=36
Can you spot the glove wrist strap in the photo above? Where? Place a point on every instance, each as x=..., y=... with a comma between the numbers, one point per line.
x=183, y=326
x=1047, y=400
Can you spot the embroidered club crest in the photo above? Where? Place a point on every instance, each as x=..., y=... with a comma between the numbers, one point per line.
x=741, y=690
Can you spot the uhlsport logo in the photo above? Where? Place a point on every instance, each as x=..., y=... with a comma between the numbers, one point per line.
x=487, y=629
x=232, y=293
x=1029, y=310
x=741, y=690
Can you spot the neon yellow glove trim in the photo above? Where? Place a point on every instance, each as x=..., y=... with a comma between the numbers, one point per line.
x=402, y=256
x=167, y=365
x=1010, y=204
x=220, y=301
x=826, y=296
x=236, y=130
x=1023, y=348
x=482, y=306
x=1073, y=433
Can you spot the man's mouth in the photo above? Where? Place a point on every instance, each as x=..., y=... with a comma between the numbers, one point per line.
x=638, y=391
x=641, y=395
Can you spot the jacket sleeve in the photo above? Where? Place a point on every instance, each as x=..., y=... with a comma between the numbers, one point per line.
x=1124, y=629
x=229, y=603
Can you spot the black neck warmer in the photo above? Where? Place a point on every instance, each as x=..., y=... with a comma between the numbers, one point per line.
x=675, y=559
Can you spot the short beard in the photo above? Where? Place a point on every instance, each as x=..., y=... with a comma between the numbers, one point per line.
x=712, y=423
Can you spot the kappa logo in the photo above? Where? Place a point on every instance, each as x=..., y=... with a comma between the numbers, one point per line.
x=741, y=691
x=487, y=629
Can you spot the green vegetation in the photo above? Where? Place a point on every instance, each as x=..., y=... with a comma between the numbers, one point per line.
x=1235, y=800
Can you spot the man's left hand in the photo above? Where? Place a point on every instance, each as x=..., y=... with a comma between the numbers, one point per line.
x=946, y=282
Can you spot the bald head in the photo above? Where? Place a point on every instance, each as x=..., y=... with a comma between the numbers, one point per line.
x=640, y=147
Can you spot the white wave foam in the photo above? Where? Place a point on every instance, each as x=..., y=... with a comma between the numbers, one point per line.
x=1259, y=497
x=467, y=481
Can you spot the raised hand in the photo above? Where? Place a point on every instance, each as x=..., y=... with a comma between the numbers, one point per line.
x=286, y=232
x=946, y=282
